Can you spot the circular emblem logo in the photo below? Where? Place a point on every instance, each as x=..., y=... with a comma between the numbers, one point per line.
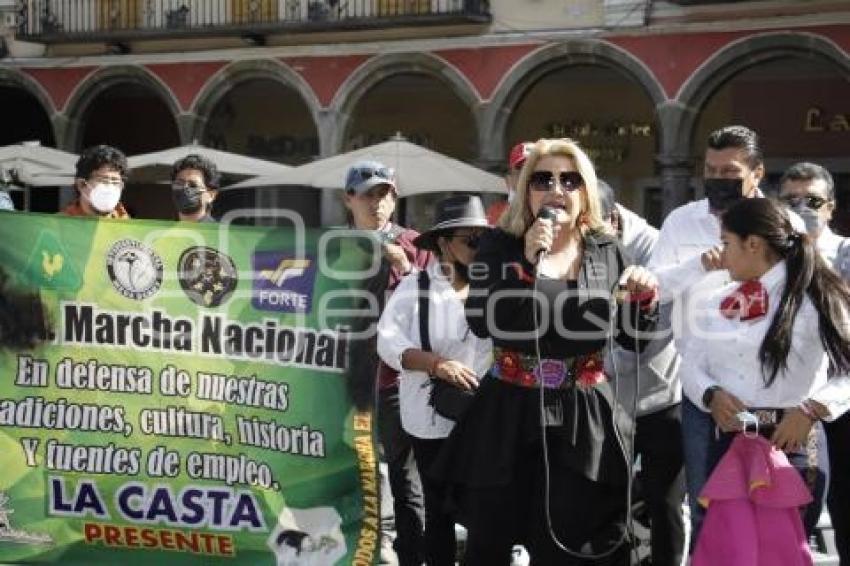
x=134, y=268
x=207, y=276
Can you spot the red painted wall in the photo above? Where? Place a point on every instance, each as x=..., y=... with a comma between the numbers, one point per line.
x=673, y=58
x=60, y=82
x=185, y=79
x=485, y=67
x=325, y=74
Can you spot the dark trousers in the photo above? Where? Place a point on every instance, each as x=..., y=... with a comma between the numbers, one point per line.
x=838, y=500
x=405, y=484
x=440, y=543
x=658, y=441
x=697, y=435
x=582, y=512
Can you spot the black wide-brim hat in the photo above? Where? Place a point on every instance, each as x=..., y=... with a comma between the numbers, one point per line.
x=465, y=211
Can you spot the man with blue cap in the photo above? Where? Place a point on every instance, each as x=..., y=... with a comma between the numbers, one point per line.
x=370, y=200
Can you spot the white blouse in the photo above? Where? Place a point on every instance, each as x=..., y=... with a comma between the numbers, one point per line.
x=724, y=352
x=398, y=330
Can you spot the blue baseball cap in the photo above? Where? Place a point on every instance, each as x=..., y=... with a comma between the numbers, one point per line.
x=364, y=175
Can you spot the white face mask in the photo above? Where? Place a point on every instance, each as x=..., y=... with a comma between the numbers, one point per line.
x=104, y=198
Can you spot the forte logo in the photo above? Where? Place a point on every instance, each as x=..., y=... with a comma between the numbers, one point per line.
x=283, y=282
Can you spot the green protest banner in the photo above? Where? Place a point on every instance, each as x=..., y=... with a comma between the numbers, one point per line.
x=193, y=404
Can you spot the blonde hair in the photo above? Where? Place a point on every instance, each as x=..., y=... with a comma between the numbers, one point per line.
x=518, y=217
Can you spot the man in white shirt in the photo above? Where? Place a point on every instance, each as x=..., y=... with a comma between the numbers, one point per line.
x=733, y=169
x=647, y=384
x=809, y=190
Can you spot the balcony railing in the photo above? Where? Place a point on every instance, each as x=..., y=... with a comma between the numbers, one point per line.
x=114, y=20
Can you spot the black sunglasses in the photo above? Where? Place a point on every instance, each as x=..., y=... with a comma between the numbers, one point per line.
x=544, y=181
x=470, y=241
x=180, y=185
x=812, y=201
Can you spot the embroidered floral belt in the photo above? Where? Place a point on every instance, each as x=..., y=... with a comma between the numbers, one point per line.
x=522, y=369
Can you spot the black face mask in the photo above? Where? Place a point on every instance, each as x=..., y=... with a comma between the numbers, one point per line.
x=723, y=193
x=188, y=199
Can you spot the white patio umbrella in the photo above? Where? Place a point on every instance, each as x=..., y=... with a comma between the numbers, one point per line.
x=43, y=179
x=418, y=170
x=156, y=166
x=31, y=157
x=30, y=164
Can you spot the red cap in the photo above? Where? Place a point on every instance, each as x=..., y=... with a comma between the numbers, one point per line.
x=518, y=154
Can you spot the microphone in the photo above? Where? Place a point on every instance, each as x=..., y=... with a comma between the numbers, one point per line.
x=546, y=213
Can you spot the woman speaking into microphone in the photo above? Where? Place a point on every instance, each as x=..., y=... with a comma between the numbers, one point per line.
x=539, y=456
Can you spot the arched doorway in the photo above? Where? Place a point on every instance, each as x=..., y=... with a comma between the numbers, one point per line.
x=263, y=118
x=131, y=117
x=267, y=119
x=426, y=111
x=24, y=118
x=134, y=118
x=609, y=114
x=798, y=106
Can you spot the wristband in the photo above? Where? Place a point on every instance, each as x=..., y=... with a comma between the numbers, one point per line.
x=708, y=395
x=807, y=409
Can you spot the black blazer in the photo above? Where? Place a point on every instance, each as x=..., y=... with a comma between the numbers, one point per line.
x=576, y=317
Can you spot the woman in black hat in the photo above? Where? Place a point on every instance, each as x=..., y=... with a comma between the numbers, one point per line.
x=538, y=454
x=423, y=334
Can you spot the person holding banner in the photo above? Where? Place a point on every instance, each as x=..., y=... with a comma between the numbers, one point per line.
x=436, y=344
x=100, y=176
x=542, y=453
x=194, y=186
x=370, y=200
x=23, y=320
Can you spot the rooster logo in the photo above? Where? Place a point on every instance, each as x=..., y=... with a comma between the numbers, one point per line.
x=51, y=264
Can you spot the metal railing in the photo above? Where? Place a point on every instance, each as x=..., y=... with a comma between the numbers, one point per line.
x=65, y=20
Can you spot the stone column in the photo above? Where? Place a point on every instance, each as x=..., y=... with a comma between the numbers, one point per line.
x=330, y=143
x=64, y=132
x=189, y=127
x=675, y=173
x=675, y=163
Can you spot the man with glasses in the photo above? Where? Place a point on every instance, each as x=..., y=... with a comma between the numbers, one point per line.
x=194, y=186
x=808, y=190
x=101, y=172
x=370, y=200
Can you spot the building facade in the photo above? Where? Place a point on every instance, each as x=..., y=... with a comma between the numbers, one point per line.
x=638, y=83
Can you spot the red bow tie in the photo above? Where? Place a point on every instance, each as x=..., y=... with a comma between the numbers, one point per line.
x=747, y=302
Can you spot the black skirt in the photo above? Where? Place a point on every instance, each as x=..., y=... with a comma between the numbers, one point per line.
x=504, y=422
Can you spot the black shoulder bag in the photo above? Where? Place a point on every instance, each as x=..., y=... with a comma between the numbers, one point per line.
x=448, y=401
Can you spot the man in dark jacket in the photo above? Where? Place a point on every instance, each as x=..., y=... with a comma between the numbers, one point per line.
x=370, y=199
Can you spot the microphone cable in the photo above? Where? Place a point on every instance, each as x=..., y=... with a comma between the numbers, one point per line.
x=628, y=531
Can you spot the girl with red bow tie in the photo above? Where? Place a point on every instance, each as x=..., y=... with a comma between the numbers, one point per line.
x=765, y=342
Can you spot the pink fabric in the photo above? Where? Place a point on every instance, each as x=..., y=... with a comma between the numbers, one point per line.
x=753, y=518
